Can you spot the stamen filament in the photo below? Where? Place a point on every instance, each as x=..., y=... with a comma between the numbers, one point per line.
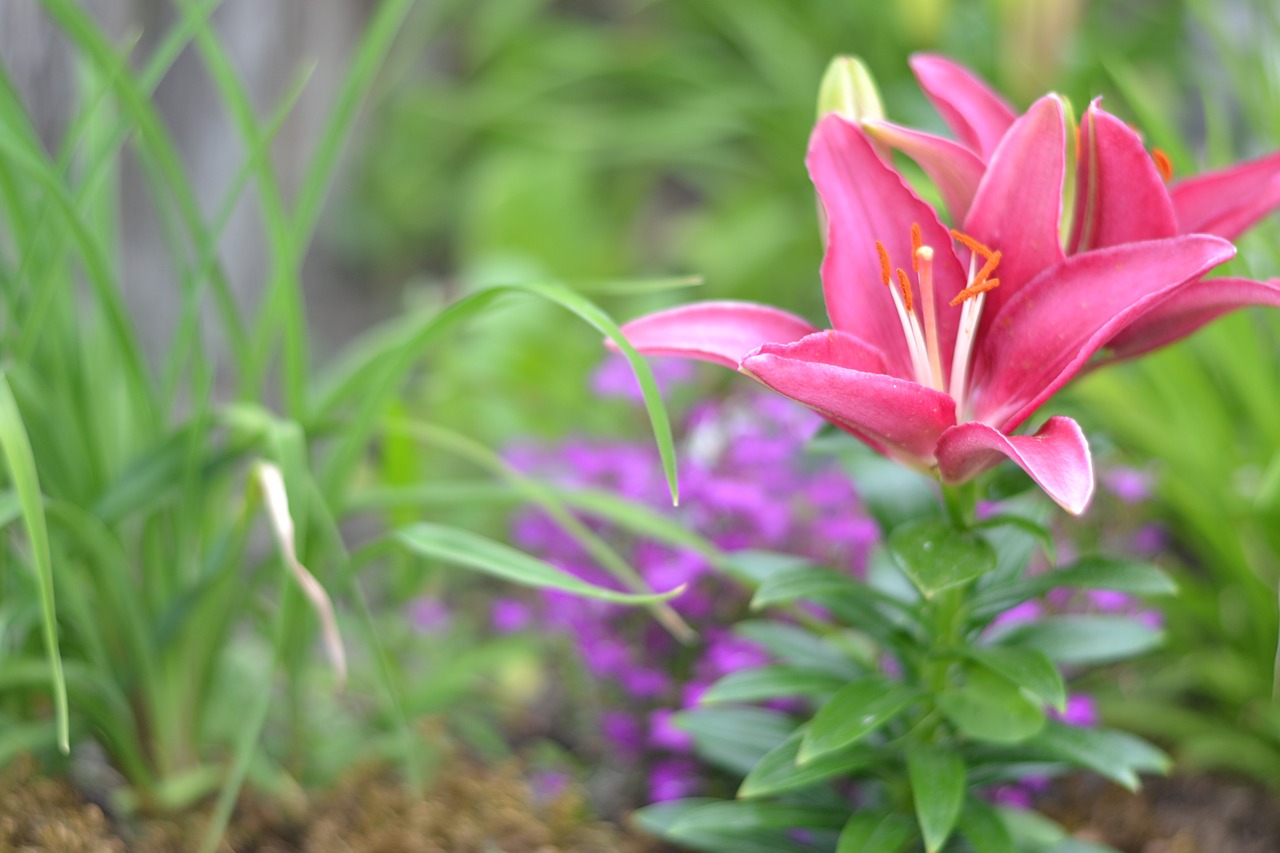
x=924, y=270
x=911, y=331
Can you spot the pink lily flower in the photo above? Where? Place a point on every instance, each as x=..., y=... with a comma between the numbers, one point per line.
x=929, y=367
x=1123, y=194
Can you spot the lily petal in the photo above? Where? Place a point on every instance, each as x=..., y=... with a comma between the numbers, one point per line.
x=721, y=332
x=1019, y=203
x=1120, y=196
x=971, y=108
x=1045, y=335
x=1187, y=309
x=842, y=379
x=1228, y=202
x=954, y=170
x=866, y=202
x=1056, y=457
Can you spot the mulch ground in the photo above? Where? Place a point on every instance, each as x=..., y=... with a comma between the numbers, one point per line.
x=1181, y=814
x=481, y=810
x=470, y=810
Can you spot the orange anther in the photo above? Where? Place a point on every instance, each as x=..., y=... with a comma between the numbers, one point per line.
x=886, y=274
x=1163, y=165
x=971, y=244
x=905, y=286
x=917, y=240
x=978, y=286
x=987, y=269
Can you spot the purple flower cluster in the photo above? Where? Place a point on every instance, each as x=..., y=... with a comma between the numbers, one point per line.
x=745, y=483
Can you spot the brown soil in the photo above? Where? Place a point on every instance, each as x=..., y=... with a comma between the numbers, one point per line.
x=470, y=810
x=477, y=810
x=1182, y=814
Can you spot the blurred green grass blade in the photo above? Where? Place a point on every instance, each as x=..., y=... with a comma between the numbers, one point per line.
x=486, y=555
x=372, y=370
x=23, y=150
x=598, y=503
x=283, y=308
x=153, y=143
x=631, y=287
x=22, y=471
x=544, y=497
x=1151, y=118
x=207, y=261
x=367, y=59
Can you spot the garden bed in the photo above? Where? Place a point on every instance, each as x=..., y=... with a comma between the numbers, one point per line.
x=476, y=809
x=470, y=810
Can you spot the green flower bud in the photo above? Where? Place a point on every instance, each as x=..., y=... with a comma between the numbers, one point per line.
x=848, y=90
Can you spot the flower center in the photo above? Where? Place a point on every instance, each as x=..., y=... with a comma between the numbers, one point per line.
x=921, y=331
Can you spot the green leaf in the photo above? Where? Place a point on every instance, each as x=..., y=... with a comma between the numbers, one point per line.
x=778, y=771
x=1116, y=755
x=935, y=556
x=875, y=832
x=795, y=645
x=22, y=472
x=1093, y=572
x=854, y=602
x=801, y=582
x=856, y=710
x=735, y=738
x=1084, y=639
x=1038, y=532
x=1027, y=668
x=1097, y=572
x=771, y=682
x=747, y=816
x=989, y=708
x=982, y=827
x=755, y=567
x=660, y=818
x=937, y=788
x=494, y=558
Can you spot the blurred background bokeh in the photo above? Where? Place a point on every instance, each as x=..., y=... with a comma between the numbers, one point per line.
x=595, y=141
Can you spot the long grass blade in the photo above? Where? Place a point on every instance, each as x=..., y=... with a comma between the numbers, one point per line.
x=374, y=369
x=22, y=470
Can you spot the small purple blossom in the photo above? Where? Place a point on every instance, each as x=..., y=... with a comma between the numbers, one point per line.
x=429, y=615
x=1130, y=485
x=663, y=732
x=1081, y=711
x=614, y=377
x=624, y=732
x=1150, y=540
x=509, y=615
x=1027, y=611
x=673, y=778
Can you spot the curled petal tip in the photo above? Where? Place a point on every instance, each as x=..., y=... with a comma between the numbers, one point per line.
x=1057, y=458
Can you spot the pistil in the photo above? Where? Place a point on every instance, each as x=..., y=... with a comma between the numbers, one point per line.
x=924, y=274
